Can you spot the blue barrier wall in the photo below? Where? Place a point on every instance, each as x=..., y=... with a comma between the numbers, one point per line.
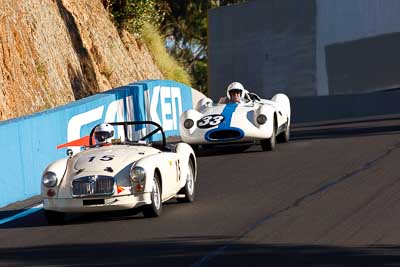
x=29, y=143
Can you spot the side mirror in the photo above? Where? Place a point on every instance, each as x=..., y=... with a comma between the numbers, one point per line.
x=69, y=152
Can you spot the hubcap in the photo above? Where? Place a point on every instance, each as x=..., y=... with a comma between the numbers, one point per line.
x=273, y=137
x=156, y=194
x=190, y=181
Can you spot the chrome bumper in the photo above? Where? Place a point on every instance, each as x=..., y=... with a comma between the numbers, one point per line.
x=96, y=204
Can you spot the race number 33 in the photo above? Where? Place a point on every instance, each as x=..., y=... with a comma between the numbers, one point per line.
x=210, y=121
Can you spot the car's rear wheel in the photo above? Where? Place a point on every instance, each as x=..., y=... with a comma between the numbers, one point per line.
x=269, y=144
x=155, y=208
x=189, y=189
x=54, y=217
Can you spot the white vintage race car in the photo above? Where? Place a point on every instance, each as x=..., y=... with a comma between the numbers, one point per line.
x=254, y=119
x=125, y=173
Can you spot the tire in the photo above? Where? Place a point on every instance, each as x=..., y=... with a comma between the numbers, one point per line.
x=54, y=217
x=155, y=208
x=189, y=189
x=269, y=144
x=285, y=136
x=196, y=149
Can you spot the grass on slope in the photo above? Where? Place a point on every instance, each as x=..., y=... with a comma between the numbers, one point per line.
x=169, y=66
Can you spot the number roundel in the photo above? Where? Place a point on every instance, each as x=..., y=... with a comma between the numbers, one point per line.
x=210, y=121
x=103, y=158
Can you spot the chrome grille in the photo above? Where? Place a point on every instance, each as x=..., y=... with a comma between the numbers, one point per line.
x=96, y=185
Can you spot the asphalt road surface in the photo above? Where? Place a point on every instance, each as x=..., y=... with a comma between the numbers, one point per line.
x=329, y=197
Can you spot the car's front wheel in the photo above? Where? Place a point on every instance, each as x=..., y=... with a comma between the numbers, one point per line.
x=285, y=136
x=154, y=209
x=189, y=189
x=196, y=148
x=269, y=144
x=54, y=217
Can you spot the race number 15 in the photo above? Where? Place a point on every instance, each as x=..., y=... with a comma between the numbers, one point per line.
x=103, y=158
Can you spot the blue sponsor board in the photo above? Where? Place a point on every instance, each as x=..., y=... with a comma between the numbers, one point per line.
x=29, y=143
x=165, y=102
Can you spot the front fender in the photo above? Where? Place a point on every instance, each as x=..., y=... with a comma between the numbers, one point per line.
x=283, y=102
x=163, y=162
x=189, y=114
x=58, y=167
x=269, y=112
x=186, y=153
x=148, y=164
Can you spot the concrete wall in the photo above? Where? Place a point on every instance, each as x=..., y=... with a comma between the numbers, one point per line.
x=29, y=143
x=269, y=46
x=350, y=106
x=305, y=48
x=344, y=27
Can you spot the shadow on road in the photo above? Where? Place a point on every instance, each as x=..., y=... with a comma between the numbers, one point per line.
x=217, y=150
x=37, y=219
x=199, y=251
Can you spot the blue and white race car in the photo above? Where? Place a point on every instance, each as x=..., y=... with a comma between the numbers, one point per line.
x=253, y=119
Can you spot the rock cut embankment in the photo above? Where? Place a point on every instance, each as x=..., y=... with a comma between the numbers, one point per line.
x=53, y=52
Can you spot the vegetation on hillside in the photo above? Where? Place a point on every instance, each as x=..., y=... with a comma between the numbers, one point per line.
x=181, y=26
x=133, y=14
x=168, y=65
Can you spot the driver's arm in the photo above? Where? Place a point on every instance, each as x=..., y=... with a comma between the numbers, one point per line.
x=223, y=100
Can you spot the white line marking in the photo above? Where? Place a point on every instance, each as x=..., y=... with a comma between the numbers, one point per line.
x=22, y=214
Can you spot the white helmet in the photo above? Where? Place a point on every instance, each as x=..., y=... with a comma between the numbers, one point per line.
x=235, y=86
x=103, y=133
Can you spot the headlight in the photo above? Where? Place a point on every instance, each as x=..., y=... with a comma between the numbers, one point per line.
x=261, y=119
x=49, y=179
x=188, y=123
x=138, y=175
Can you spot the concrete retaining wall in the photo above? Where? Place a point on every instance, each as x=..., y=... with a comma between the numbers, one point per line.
x=354, y=27
x=305, y=48
x=268, y=45
x=325, y=108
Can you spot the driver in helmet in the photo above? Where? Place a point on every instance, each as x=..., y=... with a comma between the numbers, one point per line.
x=103, y=134
x=234, y=93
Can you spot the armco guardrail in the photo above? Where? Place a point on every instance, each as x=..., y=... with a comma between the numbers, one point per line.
x=29, y=143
